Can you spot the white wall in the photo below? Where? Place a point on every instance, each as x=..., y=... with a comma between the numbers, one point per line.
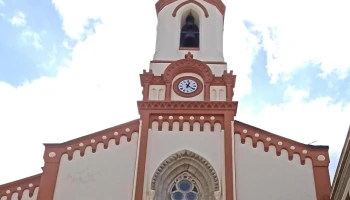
x=107, y=174
x=168, y=33
x=25, y=195
x=156, y=92
x=264, y=175
x=217, y=93
x=162, y=144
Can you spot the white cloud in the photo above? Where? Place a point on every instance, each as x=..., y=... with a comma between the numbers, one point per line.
x=19, y=19
x=2, y=3
x=100, y=85
x=299, y=32
x=33, y=38
x=304, y=121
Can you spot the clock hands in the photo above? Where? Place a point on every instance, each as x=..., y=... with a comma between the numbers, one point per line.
x=188, y=83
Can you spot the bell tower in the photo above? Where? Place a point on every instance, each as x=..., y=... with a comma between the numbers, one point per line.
x=187, y=93
x=189, y=25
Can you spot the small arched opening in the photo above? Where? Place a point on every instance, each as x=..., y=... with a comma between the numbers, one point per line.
x=190, y=32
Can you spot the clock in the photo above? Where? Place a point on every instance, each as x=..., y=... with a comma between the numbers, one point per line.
x=188, y=86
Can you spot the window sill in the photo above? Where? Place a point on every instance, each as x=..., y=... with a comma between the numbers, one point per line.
x=188, y=49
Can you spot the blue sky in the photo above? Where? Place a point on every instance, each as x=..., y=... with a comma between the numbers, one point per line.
x=32, y=45
x=63, y=66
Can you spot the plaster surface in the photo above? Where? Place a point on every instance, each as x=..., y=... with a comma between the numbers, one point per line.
x=106, y=174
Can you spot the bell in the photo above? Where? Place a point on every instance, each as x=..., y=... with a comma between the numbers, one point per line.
x=189, y=33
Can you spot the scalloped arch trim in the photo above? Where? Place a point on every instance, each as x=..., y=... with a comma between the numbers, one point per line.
x=318, y=154
x=179, y=156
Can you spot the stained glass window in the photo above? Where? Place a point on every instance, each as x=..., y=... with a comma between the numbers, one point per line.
x=184, y=188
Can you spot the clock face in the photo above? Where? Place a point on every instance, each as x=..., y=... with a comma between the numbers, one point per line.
x=187, y=86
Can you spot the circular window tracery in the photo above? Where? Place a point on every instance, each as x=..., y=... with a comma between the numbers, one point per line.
x=184, y=188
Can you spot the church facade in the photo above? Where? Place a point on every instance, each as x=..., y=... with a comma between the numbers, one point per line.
x=186, y=144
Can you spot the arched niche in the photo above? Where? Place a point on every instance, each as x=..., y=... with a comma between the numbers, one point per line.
x=190, y=30
x=197, y=169
x=195, y=15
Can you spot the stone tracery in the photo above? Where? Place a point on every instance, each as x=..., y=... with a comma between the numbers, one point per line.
x=194, y=166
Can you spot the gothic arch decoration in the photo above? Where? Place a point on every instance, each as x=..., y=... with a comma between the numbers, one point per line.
x=217, y=3
x=188, y=162
x=188, y=65
x=205, y=11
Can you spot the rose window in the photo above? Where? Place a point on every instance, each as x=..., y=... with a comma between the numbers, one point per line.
x=184, y=188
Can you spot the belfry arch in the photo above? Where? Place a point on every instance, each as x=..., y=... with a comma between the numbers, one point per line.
x=188, y=166
x=190, y=32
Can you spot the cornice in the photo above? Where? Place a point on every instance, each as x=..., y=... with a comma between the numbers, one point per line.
x=53, y=152
x=29, y=183
x=213, y=106
x=318, y=154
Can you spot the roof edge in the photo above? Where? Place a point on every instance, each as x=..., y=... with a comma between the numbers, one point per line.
x=325, y=147
x=341, y=163
x=16, y=182
x=318, y=154
x=19, y=186
x=91, y=134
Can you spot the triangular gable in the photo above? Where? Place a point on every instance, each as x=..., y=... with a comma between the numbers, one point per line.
x=318, y=154
x=116, y=132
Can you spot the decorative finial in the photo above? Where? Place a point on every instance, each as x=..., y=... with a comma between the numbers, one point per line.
x=189, y=55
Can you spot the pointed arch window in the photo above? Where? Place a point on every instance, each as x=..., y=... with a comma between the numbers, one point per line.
x=185, y=176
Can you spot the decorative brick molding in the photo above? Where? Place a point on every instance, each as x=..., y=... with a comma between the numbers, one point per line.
x=57, y=150
x=188, y=105
x=54, y=152
x=188, y=65
x=190, y=119
x=19, y=186
x=318, y=154
x=217, y=3
x=205, y=11
x=206, y=62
